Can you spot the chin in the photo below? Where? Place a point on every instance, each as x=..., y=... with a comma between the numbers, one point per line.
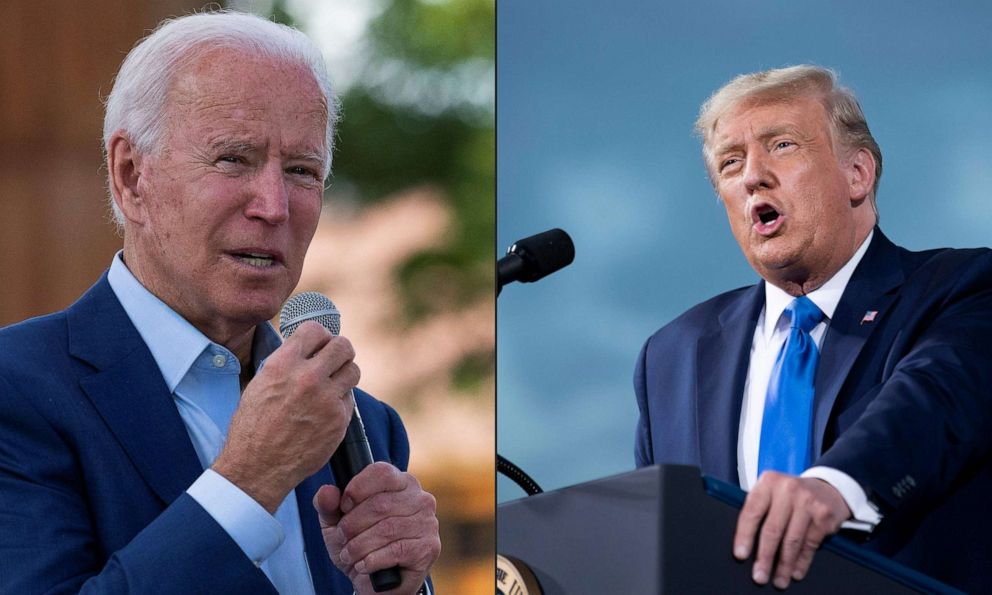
x=776, y=263
x=254, y=309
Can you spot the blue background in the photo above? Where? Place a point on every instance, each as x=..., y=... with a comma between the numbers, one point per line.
x=595, y=107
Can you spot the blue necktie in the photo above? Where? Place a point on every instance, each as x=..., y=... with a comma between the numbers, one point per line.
x=785, y=428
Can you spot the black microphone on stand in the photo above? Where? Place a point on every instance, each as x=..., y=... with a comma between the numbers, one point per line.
x=534, y=258
x=528, y=260
x=354, y=453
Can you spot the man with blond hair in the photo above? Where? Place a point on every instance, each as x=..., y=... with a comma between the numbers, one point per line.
x=851, y=386
x=158, y=436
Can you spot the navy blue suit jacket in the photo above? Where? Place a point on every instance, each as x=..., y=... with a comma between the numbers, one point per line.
x=95, y=461
x=903, y=403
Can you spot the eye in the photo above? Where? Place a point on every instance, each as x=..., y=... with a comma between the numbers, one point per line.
x=232, y=159
x=784, y=144
x=729, y=162
x=300, y=170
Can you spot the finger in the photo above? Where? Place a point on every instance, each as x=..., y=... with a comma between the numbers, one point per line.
x=385, y=505
x=792, y=543
x=805, y=558
x=327, y=502
x=334, y=364
x=823, y=523
x=341, y=382
x=772, y=529
x=754, y=509
x=377, y=477
x=386, y=531
x=308, y=338
x=410, y=554
x=333, y=355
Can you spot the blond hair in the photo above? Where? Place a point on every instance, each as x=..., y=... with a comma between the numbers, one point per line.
x=847, y=121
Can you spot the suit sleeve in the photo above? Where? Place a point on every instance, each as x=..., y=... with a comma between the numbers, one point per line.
x=930, y=422
x=48, y=543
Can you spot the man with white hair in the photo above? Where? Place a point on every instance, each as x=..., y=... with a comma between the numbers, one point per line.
x=144, y=447
x=852, y=384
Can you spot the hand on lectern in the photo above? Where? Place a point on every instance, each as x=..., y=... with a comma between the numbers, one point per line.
x=789, y=515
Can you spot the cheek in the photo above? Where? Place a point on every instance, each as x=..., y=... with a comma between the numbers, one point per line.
x=305, y=216
x=166, y=215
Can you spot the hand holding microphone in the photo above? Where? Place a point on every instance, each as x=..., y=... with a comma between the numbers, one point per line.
x=291, y=416
x=379, y=526
x=377, y=519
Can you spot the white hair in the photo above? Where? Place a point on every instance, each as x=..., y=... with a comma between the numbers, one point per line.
x=138, y=100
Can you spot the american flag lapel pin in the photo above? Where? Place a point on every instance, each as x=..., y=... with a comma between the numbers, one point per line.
x=869, y=316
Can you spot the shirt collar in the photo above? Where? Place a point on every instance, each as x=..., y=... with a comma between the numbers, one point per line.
x=826, y=297
x=175, y=344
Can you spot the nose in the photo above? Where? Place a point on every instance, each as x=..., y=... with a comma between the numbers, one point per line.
x=757, y=172
x=268, y=198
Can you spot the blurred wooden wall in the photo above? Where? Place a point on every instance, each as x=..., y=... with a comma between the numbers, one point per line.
x=57, y=60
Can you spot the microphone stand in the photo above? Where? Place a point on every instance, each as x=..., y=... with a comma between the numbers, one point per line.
x=529, y=260
x=509, y=268
x=517, y=474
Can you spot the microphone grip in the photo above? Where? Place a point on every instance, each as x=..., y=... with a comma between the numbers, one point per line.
x=351, y=456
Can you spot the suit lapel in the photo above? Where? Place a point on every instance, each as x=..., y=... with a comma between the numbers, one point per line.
x=721, y=369
x=322, y=571
x=869, y=290
x=128, y=391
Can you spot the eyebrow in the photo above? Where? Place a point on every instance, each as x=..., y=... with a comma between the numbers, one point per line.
x=764, y=135
x=247, y=146
x=234, y=145
x=309, y=155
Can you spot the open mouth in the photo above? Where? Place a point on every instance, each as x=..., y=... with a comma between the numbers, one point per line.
x=765, y=219
x=767, y=214
x=255, y=259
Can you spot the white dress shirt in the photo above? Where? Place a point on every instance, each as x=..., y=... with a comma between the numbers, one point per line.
x=203, y=378
x=770, y=335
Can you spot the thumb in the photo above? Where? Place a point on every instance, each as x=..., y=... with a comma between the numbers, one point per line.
x=327, y=502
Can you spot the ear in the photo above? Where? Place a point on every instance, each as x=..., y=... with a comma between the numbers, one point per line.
x=124, y=165
x=861, y=175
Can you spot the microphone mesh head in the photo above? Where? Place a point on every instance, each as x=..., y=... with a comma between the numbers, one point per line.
x=305, y=306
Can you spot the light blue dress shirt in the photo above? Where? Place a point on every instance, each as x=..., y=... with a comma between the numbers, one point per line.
x=203, y=378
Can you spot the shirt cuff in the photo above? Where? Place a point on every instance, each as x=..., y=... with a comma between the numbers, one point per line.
x=864, y=514
x=256, y=532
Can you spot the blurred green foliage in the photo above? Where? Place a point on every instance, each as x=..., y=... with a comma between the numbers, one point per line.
x=422, y=114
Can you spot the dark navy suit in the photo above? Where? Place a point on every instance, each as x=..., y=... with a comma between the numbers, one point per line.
x=903, y=403
x=95, y=461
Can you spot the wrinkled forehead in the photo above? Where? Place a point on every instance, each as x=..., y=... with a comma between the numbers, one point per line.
x=239, y=75
x=225, y=83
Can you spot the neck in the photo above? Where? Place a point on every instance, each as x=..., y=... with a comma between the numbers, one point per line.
x=236, y=336
x=798, y=288
x=797, y=281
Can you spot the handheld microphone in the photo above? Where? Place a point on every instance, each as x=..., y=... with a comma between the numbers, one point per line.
x=534, y=258
x=354, y=453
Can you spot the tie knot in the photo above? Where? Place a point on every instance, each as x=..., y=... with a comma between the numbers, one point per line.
x=805, y=314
